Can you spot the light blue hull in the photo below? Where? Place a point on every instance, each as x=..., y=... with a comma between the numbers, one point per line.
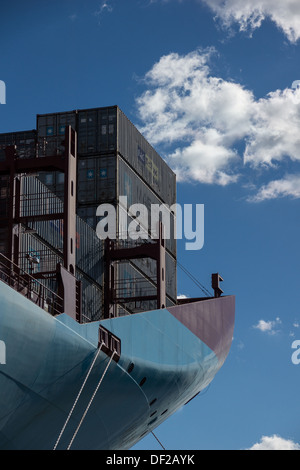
x=47, y=359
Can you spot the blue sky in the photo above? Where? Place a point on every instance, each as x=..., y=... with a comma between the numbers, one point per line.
x=211, y=84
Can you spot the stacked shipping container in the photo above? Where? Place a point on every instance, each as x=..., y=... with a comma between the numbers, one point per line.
x=45, y=242
x=114, y=160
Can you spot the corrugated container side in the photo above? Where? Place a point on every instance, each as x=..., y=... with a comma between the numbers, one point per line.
x=131, y=283
x=130, y=185
x=25, y=142
x=89, y=252
x=148, y=266
x=54, y=124
x=47, y=260
x=92, y=295
x=135, y=149
x=37, y=199
x=136, y=191
x=92, y=299
x=51, y=132
x=171, y=277
x=54, y=180
x=89, y=249
x=97, y=130
x=145, y=178
x=31, y=245
x=138, y=277
x=4, y=195
x=4, y=233
x=96, y=180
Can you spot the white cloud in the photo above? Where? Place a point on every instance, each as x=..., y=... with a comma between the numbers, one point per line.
x=268, y=326
x=201, y=115
x=200, y=119
x=274, y=132
x=249, y=14
x=288, y=186
x=275, y=443
x=104, y=6
x=295, y=325
x=204, y=160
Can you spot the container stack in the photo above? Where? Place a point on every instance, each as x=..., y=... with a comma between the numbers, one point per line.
x=114, y=161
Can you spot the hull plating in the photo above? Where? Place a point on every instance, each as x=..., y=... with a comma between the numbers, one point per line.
x=174, y=353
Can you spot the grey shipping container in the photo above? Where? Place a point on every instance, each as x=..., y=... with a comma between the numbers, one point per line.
x=38, y=199
x=26, y=141
x=137, y=192
x=92, y=295
x=114, y=160
x=141, y=156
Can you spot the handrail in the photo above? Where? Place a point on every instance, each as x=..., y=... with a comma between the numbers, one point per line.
x=29, y=287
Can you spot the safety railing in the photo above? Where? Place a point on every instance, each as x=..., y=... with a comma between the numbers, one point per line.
x=29, y=287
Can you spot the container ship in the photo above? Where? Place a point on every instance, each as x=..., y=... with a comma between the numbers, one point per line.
x=96, y=350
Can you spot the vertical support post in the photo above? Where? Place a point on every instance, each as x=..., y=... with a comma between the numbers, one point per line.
x=16, y=227
x=67, y=291
x=78, y=301
x=10, y=158
x=67, y=163
x=108, y=278
x=155, y=251
x=161, y=270
x=215, y=283
x=70, y=200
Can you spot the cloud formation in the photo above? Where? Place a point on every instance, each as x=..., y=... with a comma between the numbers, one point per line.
x=199, y=115
x=202, y=122
x=287, y=186
x=268, y=326
x=104, y=6
x=275, y=442
x=250, y=14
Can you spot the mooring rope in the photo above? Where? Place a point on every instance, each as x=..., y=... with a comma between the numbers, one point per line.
x=158, y=440
x=91, y=400
x=78, y=396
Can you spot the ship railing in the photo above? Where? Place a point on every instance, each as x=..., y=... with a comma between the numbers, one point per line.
x=29, y=287
x=123, y=240
x=125, y=286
